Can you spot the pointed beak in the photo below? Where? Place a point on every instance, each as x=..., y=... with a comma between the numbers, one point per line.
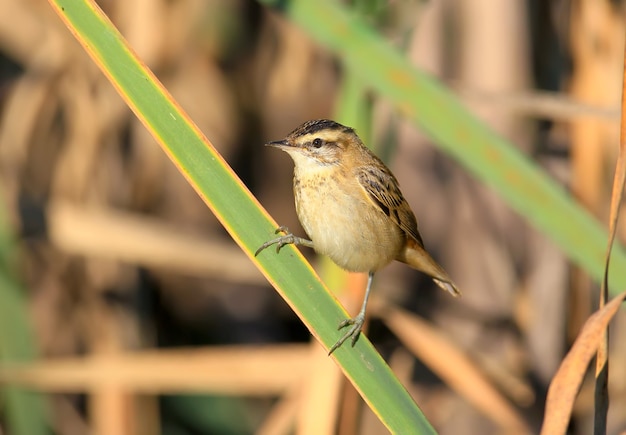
x=279, y=143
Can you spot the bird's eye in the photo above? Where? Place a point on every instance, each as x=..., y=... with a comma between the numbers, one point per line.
x=317, y=142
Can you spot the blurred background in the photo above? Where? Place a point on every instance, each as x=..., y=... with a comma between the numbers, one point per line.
x=146, y=318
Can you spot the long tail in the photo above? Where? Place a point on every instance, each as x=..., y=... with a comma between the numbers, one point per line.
x=416, y=256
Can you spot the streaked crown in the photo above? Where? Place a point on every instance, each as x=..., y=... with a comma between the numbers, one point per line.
x=317, y=125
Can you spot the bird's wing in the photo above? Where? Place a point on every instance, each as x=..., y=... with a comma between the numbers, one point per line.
x=382, y=190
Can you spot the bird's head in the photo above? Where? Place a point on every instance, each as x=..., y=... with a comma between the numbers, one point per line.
x=319, y=143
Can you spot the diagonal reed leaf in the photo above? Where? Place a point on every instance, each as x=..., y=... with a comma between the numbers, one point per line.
x=238, y=210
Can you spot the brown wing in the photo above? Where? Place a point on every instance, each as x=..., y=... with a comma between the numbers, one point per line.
x=382, y=189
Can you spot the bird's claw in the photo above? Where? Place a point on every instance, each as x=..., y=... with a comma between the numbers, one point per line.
x=354, y=331
x=286, y=239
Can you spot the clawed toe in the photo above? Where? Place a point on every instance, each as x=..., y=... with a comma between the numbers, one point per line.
x=281, y=241
x=353, y=332
x=286, y=239
x=345, y=323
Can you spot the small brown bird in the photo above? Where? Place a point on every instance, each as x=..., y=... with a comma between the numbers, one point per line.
x=350, y=205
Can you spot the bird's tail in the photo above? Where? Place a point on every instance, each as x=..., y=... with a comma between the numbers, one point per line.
x=448, y=286
x=416, y=256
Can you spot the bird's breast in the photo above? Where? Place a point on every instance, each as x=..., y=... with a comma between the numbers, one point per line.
x=343, y=223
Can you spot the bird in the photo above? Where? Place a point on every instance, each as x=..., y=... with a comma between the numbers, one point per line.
x=351, y=208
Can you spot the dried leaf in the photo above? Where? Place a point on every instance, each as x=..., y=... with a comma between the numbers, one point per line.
x=602, y=360
x=569, y=377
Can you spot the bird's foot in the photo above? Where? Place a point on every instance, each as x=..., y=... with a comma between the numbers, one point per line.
x=287, y=239
x=356, y=324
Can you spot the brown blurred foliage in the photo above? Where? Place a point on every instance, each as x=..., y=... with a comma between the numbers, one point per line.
x=119, y=254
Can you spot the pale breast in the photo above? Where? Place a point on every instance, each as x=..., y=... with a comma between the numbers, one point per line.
x=344, y=225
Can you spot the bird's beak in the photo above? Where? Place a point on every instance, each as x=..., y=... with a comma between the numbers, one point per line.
x=279, y=143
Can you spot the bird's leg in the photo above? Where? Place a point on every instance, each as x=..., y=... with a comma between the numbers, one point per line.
x=286, y=239
x=355, y=322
